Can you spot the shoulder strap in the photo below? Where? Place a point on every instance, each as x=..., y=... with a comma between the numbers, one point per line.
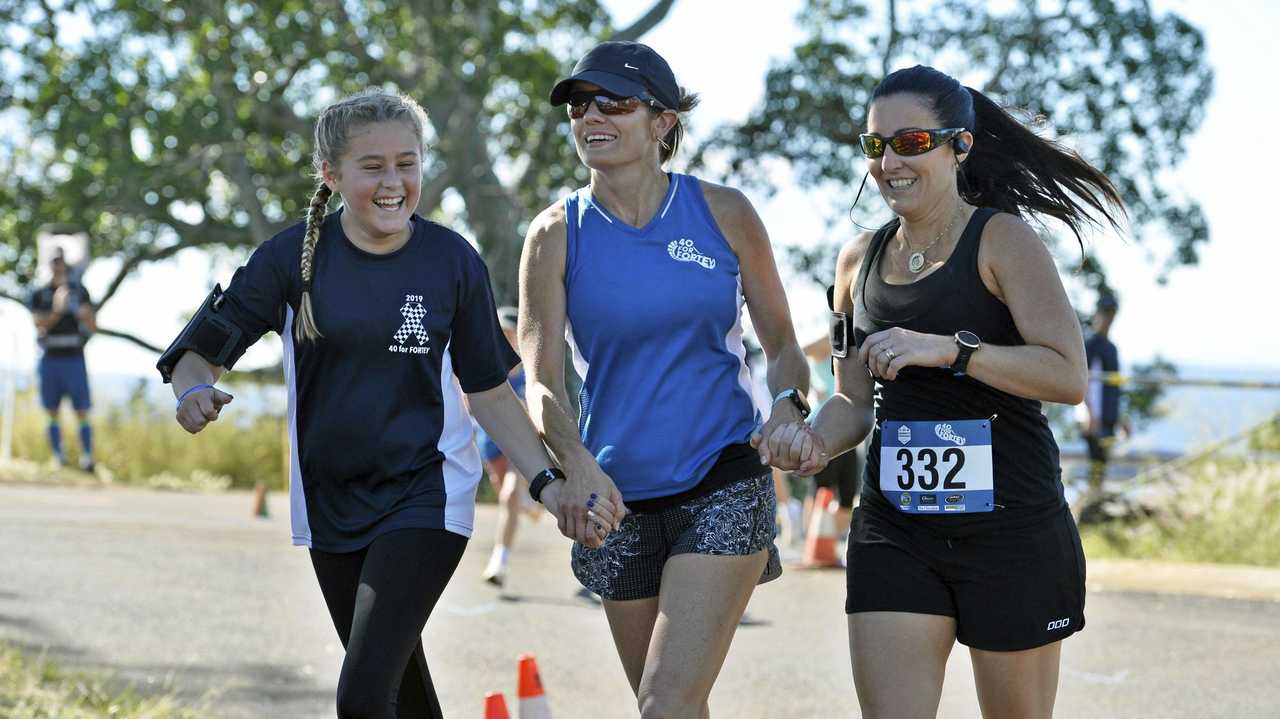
x=970, y=239
x=575, y=203
x=872, y=259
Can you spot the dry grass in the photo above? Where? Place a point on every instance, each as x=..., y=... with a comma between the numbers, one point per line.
x=1221, y=511
x=140, y=444
x=34, y=688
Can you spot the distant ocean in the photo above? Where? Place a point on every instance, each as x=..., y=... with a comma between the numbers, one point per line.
x=1196, y=416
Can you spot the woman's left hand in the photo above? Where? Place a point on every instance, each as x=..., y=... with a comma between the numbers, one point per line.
x=595, y=532
x=885, y=353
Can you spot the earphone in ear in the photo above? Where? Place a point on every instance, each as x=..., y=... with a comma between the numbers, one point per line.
x=960, y=145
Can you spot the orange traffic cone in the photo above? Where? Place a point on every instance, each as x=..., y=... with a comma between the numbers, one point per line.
x=533, y=700
x=820, y=544
x=495, y=707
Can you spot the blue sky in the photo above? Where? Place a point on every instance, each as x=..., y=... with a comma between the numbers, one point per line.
x=1218, y=313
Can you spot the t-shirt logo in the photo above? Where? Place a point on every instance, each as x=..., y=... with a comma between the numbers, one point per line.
x=682, y=250
x=413, y=313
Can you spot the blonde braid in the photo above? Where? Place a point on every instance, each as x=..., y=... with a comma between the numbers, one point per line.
x=306, y=329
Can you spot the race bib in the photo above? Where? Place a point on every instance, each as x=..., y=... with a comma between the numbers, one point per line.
x=937, y=467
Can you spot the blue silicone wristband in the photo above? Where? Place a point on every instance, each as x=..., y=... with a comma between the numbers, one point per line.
x=196, y=388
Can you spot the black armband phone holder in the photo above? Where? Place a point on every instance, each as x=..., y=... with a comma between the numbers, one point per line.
x=840, y=327
x=844, y=336
x=214, y=338
x=840, y=331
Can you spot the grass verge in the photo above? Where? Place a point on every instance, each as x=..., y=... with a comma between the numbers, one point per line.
x=1222, y=511
x=35, y=688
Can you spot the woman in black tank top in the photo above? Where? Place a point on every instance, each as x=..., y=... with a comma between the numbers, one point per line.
x=960, y=327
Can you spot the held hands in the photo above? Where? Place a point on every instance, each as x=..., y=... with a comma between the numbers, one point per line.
x=794, y=447
x=885, y=353
x=587, y=505
x=201, y=407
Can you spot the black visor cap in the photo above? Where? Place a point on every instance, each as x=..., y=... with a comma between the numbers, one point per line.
x=627, y=69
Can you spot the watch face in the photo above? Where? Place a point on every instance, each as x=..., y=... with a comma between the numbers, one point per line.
x=801, y=403
x=797, y=400
x=968, y=339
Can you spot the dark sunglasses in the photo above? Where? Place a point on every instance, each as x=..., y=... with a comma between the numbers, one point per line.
x=607, y=103
x=907, y=142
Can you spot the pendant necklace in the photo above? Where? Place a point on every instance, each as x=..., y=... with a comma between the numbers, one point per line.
x=915, y=262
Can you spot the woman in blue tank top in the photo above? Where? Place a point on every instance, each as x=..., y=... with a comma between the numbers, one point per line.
x=645, y=274
x=962, y=328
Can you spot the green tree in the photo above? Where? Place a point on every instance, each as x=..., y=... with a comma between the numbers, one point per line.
x=1124, y=86
x=1144, y=397
x=169, y=125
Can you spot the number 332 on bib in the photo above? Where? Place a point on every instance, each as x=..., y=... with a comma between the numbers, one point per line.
x=937, y=467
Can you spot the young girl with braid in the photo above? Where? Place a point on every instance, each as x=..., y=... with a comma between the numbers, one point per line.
x=387, y=320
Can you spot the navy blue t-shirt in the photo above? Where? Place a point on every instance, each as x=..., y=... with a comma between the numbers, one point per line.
x=66, y=337
x=1102, y=356
x=381, y=439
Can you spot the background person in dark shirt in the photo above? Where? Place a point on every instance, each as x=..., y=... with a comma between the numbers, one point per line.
x=1099, y=415
x=64, y=320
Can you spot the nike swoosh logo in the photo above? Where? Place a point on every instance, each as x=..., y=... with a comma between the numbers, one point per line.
x=630, y=67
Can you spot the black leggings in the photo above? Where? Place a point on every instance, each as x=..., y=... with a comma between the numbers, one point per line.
x=379, y=598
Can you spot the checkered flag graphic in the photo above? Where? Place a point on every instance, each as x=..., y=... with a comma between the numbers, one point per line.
x=413, y=313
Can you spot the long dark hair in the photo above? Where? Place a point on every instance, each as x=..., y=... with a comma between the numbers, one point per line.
x=1009, y=167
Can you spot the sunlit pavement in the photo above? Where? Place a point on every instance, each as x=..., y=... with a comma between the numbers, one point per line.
x=191, y=592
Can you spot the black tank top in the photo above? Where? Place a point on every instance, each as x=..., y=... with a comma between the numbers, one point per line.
x=1027, y=474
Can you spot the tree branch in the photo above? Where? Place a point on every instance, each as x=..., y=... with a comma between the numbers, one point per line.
x=891, y=44
x=545, y=135
x=276, y=114
x=271, y=374
x=129, y=338
x=248, y=196
x=433, y=189
x=637, y=29
x=379, y=71
x=995, y=84
x=238, y=158
x=195, y=236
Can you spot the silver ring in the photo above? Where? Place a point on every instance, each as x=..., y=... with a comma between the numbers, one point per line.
x=891, y=354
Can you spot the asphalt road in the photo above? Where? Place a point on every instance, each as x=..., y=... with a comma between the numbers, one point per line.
x=188, y=593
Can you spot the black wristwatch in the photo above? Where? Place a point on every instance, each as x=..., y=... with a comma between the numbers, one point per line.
x=797, y=400
x=541, y=480
x=968, y=343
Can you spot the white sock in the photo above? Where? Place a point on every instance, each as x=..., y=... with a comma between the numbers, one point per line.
x=497, y=560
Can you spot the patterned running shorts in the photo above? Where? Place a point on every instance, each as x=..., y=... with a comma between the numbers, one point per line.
x=735, y=520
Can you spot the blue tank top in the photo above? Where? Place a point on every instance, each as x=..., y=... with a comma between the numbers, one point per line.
x=655, y=328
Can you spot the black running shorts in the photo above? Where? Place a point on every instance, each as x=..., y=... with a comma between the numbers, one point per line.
x=1008, y=590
